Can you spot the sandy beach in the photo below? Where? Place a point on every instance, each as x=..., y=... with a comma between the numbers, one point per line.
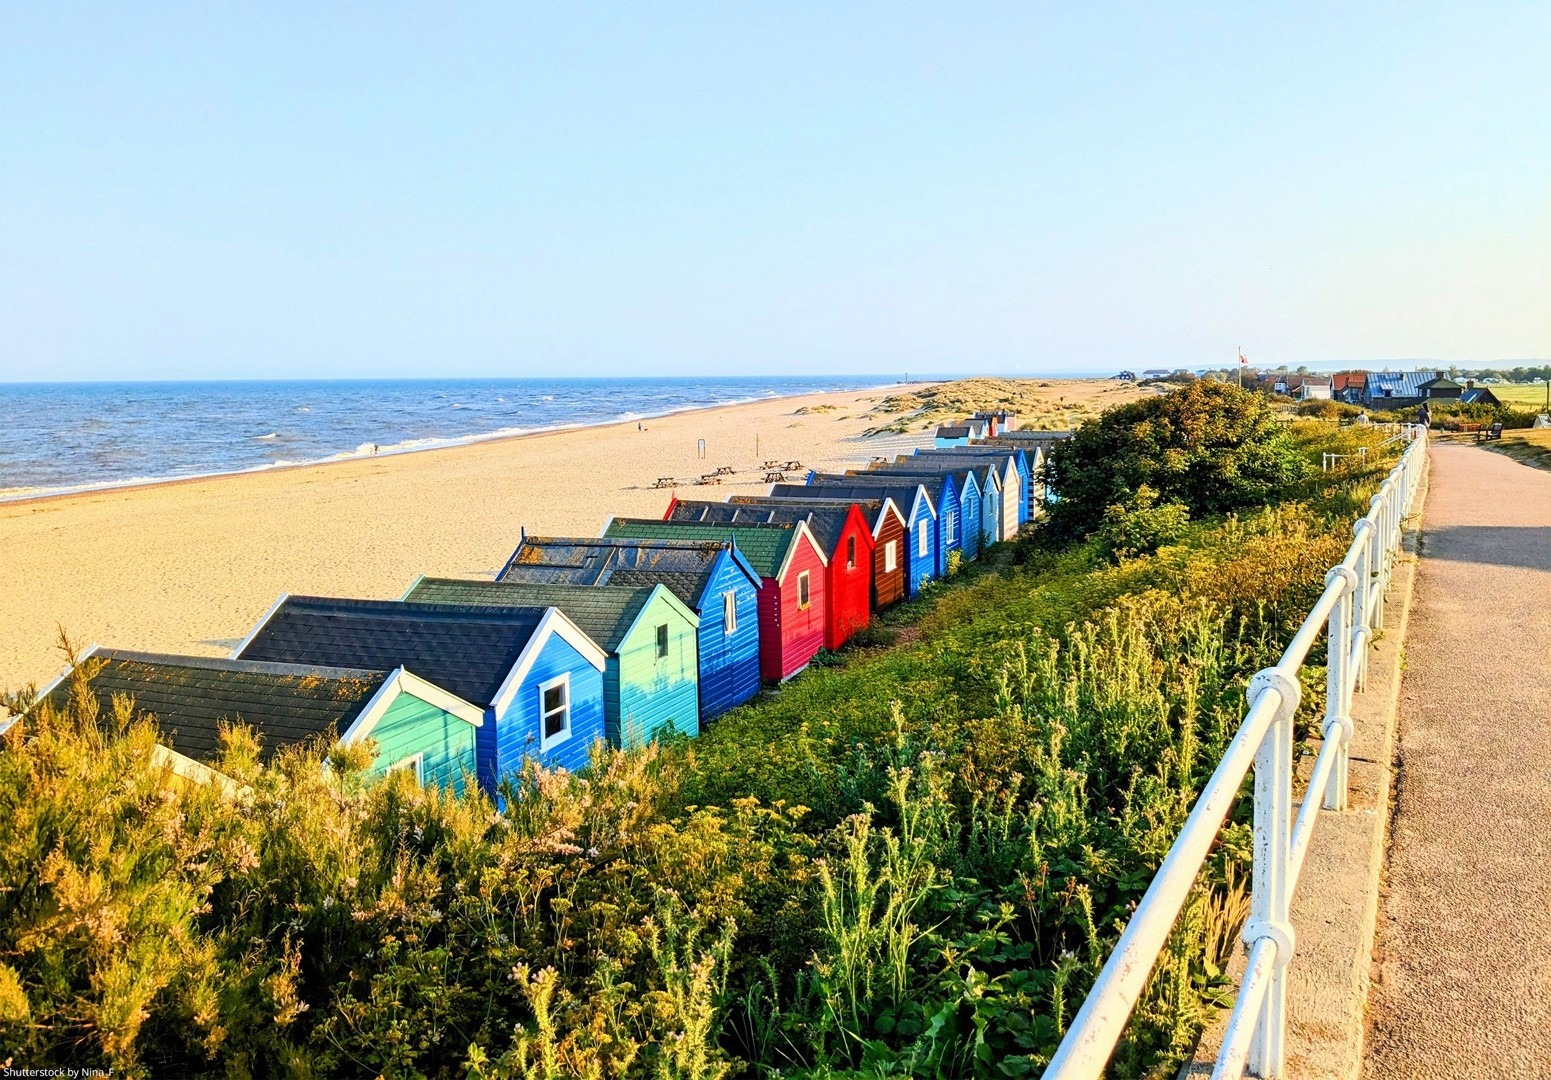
x=190, y=566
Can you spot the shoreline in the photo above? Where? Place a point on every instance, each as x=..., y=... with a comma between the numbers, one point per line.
x=456, y=442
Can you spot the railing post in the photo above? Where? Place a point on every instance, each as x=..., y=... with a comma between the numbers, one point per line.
x=1270, y=897
x=1338, y=685
x=1377, y=540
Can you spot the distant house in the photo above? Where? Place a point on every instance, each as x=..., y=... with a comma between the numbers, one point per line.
x=1348, y=386
x=536, y=675
x=890, y=538
x=1126, y=376
x=842, y=531
x=416, y=725
x=712, y=578
x=923, y=561
x=1478, y=395
x=1408, y=389
x=651, y=681
x=794, y=581
x=1315, y=388
x=1156, y=373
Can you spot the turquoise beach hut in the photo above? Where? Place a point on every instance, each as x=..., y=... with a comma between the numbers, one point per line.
x=651, y=683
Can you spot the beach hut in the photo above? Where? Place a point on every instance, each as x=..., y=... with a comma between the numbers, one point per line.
x=417, y=726
x=536, y=675
x=651, y=683
x=842, y=531
x=1017, y=477
x=890, y=540
x=711, y=577
x=940, y=489
x=793, y=590
x=999, y=476
x=911, y=501
x=980, y=496
x=967, y=504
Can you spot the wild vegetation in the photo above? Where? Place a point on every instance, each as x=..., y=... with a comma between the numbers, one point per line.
x=909, y=862
x=1045, y=404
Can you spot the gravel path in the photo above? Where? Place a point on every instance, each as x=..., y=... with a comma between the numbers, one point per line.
x=1464, y=961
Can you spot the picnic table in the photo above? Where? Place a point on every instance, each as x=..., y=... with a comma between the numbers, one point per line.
x=664, y=482
x=792, y=465
x=770, y=465
x=775, y=476
x=725, y=470
x=709, y=478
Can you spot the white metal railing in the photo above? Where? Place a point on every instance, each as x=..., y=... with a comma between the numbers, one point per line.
x=1349, y=610
x=1328, y=461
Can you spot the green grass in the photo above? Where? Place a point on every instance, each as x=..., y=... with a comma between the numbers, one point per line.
x=1532, y=447
x=1524, y=395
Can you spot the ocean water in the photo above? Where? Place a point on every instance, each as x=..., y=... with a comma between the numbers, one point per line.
x=60, y=437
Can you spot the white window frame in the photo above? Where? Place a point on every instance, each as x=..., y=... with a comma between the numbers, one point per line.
x=546, y=741
x=949, y=529
x=851, y=552
x=414, y=763
x=730, y=612
x=921, y=538
x=890, y=557
x=804, y=585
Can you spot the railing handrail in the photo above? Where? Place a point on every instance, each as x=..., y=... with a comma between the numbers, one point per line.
x=1349, y=609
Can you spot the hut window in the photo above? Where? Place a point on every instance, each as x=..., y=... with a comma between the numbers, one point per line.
x=850, y=553
x=555, y=711
x=804, y=593
x=921, y=539
x=662, y=641
x=414, y=764
x=951, y=522
x=890, y=560
x=730, y=611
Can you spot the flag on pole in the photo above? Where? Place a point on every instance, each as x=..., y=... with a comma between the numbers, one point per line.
x=1242, y=358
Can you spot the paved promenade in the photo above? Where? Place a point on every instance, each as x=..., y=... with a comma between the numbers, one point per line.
x=1464, y=938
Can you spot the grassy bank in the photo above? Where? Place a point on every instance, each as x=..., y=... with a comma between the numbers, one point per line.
x=912, y=860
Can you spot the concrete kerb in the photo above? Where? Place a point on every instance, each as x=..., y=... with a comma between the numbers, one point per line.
x=1335, y=908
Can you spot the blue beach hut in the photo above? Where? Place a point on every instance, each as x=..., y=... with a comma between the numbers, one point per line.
x=923, y=547
x=713, y=579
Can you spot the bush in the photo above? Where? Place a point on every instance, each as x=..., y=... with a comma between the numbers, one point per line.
x=1141, y=526
x=1209, y=446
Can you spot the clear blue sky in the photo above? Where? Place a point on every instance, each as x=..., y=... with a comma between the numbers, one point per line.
x=273, y=189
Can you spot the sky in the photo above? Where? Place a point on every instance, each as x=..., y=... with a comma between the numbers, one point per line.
x=391, y=189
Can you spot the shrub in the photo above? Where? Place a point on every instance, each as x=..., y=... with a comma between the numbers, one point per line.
x=1209, y=446
x=1141, y=526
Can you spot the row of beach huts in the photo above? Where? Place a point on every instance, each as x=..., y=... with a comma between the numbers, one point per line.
x=655, y=626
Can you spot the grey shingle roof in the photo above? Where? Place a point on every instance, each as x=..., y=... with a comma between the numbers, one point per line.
x=684, y=566
x=190, y=696
x=839, y=487
x=870, y=507
x=466, y=650
x=827, y=522
x=953, y=431
x=764, y=545
x=605, y=613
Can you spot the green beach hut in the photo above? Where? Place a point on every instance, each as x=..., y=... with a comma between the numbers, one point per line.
x=651, y=684
x=417, y=727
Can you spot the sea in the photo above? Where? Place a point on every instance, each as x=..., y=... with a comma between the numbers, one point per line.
x=65, y=437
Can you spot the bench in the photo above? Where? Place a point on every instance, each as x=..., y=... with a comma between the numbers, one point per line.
x=664, y=482
x=1493, y=432
x=775, y=476
x=725, y=470
x=709, y=478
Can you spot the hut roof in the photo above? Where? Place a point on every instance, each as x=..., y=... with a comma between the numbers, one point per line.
x=860, y=486
x=828, y=521
x=684, y=566
x=190, y=696
x=953, y=431
x=468, y=651
x=1400, y=384
x=605, y=613
x=764, y=544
